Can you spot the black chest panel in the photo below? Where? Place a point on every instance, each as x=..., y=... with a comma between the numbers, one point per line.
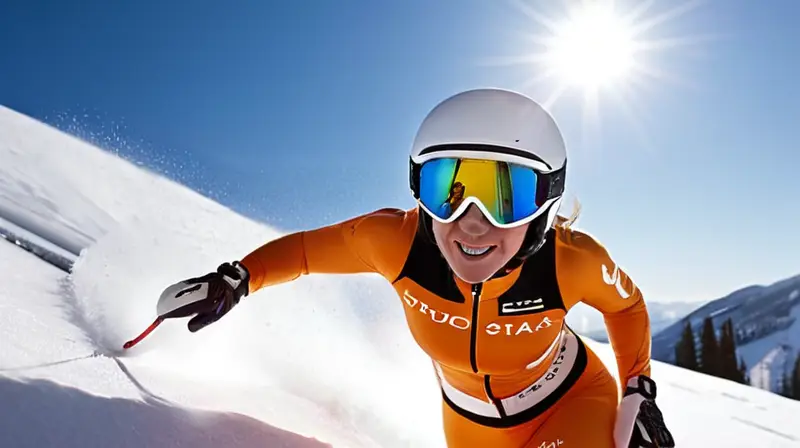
x=426, y=267
x=535, y=291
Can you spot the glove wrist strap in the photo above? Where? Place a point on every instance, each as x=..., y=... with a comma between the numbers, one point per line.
x=641, y=385
x=236, y=275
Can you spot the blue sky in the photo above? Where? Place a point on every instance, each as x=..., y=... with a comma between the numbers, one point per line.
x=301, y=114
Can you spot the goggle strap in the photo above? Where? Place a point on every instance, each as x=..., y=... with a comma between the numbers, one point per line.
x=414, y=174
x=551, y=185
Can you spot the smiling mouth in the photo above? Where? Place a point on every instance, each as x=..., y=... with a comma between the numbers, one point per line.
x=474, y=251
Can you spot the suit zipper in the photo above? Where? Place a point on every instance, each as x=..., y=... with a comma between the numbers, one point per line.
x=497, y=403
x=473, y=338
x=473, y=355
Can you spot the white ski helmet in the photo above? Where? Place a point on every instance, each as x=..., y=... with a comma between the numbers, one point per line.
x=502, y=125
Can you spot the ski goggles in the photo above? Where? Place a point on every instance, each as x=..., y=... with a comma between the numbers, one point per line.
x=508, y=194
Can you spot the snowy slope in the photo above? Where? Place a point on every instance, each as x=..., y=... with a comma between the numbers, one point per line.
x=776, y=351
x=769, y=372
x=322, y=357
x=57, y=392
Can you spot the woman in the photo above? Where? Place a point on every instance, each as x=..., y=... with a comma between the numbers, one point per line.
x=485, y=285
x=453, y=200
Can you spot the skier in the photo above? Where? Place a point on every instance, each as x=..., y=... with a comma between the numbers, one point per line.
x=485, y=284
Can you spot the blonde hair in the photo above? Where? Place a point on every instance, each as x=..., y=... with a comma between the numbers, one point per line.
x=567, y=222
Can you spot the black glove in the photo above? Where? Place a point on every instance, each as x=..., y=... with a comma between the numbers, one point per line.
x=209, y=297
x=639, y=421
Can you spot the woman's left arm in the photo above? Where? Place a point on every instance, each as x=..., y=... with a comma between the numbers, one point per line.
x=605, y=286
x=598, y=281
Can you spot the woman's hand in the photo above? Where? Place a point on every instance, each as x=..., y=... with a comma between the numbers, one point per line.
x=208, y=297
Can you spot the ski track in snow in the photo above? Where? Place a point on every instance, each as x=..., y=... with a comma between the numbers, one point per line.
x=764, y=428
x=322, y=361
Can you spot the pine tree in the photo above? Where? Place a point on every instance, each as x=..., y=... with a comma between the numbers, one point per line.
x=723, y=352
x=685, y=351
x=743, y=377
x=709, y=349
x=727, y=353
x=795, y=380
x=785, y=388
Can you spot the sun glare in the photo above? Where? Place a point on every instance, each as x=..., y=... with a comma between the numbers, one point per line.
x=601, y=49
x=591, y=48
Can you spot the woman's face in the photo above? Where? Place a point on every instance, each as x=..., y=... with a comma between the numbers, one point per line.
x=474, y=248
x=458, y=192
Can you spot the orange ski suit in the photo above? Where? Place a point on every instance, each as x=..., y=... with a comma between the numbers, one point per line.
x=512, y=373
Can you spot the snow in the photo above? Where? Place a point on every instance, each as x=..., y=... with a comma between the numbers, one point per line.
x=322, y=360
x=761, y=355
x=769, y=373
x=36, y=239
x=57, y=392
x=718, y=312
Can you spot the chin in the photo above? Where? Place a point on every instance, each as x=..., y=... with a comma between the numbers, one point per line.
x=474, y=271
x=473, y=276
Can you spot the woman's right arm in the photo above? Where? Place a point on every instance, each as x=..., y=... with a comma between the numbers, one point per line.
x=377, y=242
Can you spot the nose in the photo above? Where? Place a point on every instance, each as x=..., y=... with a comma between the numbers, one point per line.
x=473, y=222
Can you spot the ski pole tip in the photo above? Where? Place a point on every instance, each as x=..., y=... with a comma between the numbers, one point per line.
x=144, y=334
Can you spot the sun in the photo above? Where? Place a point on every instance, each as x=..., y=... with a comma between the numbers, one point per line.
x=592, y=48
x=598, y=49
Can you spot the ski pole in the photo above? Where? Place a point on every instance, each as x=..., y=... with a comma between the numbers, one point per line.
x=144, y=334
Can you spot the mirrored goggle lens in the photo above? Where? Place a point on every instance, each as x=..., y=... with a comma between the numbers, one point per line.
x=508, y=191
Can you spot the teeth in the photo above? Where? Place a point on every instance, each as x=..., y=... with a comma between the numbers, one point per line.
x=474, y=250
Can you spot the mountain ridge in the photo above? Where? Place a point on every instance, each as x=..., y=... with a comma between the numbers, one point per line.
x=765, y=319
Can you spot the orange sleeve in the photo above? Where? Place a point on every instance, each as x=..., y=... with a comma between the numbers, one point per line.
x=377, y=242
x=602, y=284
